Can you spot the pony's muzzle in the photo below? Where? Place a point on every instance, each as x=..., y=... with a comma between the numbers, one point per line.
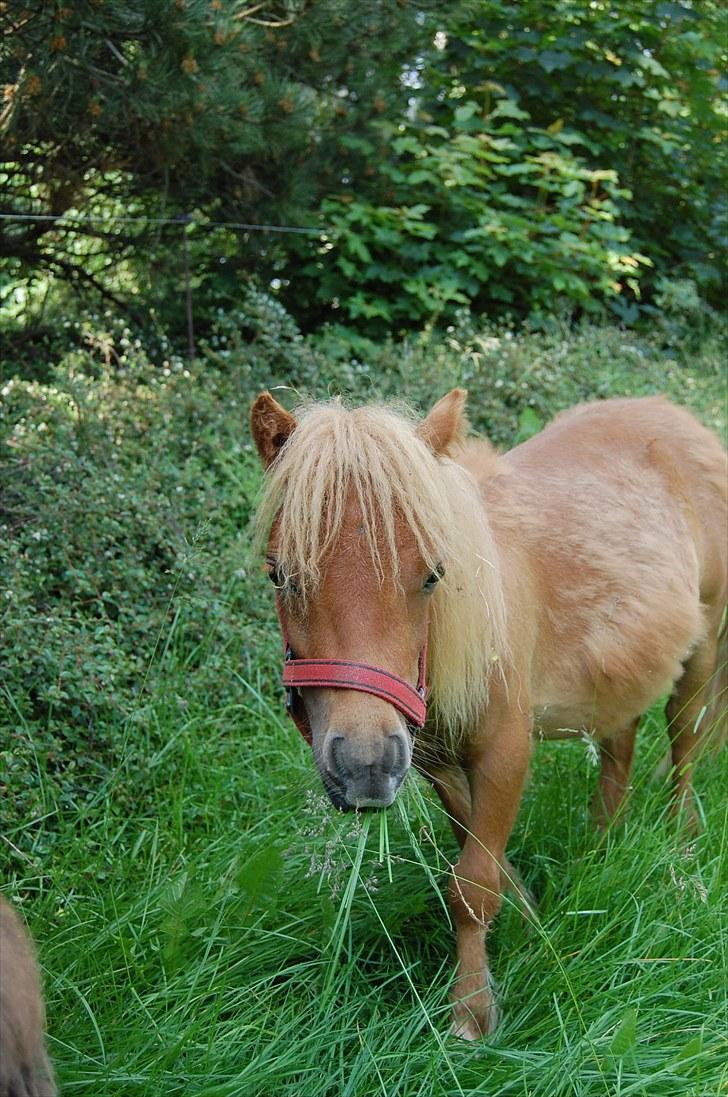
x=365, y=771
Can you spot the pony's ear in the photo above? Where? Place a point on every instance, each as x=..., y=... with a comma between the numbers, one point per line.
x=271, y=426
x=444, y=429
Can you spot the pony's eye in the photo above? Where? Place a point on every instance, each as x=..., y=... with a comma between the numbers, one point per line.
x=278, y=579
x=434, y=578
x=274, y=573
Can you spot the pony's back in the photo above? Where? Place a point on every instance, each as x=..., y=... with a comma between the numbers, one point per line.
x=650, y=433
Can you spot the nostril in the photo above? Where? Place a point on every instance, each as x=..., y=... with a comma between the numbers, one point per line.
x=329, y=752
x=337, y=756
x=400, y=745
x=392, y=754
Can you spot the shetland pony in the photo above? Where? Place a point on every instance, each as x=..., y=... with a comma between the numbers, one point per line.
x=25, y=1070
x=558, y=589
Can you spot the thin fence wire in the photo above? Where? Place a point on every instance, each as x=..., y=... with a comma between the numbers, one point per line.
x=184, y=221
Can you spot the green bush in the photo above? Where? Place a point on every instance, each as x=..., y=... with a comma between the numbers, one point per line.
x=642, y=83
x=127, y=490
x=555, y=157
x=486, y=210
x=516, y=157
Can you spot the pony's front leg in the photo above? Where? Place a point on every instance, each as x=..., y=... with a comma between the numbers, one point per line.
x=497, y=770
x=451, y=785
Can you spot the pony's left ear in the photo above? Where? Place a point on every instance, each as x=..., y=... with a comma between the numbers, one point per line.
x=271, y=427
x=444, y=429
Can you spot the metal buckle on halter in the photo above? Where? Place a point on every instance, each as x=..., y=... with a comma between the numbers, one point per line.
x=289, y=689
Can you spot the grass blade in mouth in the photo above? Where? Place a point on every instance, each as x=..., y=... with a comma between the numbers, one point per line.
x=342, y=923
x=384, y=842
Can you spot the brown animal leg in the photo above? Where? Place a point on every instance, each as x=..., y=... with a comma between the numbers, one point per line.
x=496, y=777
x=451, y=785
x=511, y=880
x=616, y=758
x=685, y=720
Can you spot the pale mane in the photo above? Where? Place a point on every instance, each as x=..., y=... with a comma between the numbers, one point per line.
x=375, y=453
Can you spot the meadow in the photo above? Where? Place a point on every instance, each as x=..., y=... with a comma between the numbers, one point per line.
x=207, y=926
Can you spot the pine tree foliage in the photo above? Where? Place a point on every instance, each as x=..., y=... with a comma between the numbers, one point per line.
x=223, y=107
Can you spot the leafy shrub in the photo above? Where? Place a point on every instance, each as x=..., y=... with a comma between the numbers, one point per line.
x=640, y=82
x=127, y=489
x=554, y=155
x=486, y=210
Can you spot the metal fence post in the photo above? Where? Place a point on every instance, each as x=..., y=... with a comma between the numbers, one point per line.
x=186, y=218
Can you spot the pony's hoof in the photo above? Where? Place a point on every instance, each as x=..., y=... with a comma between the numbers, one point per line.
x=465, y=1029
x=465, y=1025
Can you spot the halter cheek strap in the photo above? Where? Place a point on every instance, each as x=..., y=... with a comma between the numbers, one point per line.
x=341, y=674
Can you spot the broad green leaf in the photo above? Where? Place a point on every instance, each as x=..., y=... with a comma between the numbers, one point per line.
x=258, y=875
x=466, y=111
x=691, y=1049
x=357, y=247
x=554, y=59
x=508, y=108
x=529, y=423
x=625, y=1038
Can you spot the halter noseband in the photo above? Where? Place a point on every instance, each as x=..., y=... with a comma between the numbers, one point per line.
x=341, y=674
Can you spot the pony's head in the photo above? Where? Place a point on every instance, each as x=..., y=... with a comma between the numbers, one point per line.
x=360, y=520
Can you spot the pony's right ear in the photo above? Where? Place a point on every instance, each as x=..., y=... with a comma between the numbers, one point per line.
x=271, y=427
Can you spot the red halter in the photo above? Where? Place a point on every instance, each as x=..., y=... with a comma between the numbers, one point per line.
x=340, y=674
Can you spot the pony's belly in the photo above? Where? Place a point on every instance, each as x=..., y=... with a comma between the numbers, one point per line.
x=598, y=711
x=602, y=688
x=562, y=722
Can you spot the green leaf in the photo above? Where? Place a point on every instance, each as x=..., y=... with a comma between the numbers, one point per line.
x=671, y=107
x=465, y=112
x=550, y=60
x=651, y=64
x=359, y=305
x=258, y=876
x=420, y=175
x=691, y=1049
x=347, y=268
x=357, y=247
x=508, y=108
x=625, y=1038
x=529, y=423
x=418, y=210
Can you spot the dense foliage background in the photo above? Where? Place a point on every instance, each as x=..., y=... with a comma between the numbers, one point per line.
x=527, y=157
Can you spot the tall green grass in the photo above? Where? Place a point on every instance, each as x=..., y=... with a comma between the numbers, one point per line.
x=233, y=935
